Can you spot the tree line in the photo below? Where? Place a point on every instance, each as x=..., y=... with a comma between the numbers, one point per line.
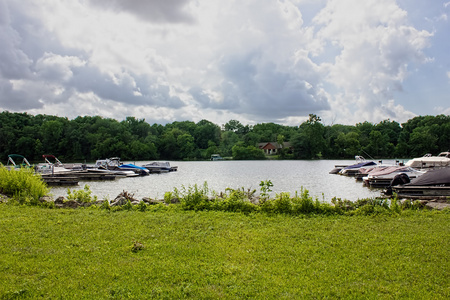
x=93, y=137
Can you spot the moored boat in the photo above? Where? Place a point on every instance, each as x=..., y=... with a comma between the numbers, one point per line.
x=382, y=177
x=52, y=165
x=430, y=161
x=17, y=161
x=352, y=170
x=434, y=183
x=114, y=164
x=160, y=167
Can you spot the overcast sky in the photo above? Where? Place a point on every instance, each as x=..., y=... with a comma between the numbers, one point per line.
x=255, y=61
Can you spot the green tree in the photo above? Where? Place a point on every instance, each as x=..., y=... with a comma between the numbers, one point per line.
x=205, y=132
x=186, y=145
x=242, y=152
x=309, y=142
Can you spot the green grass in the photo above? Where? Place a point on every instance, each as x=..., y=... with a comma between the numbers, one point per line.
x=168, y=253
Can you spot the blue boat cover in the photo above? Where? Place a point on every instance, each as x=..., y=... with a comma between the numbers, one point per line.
x=360, y=165
x=133, y=166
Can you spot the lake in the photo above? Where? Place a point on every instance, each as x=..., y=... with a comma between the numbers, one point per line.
x=286, y=176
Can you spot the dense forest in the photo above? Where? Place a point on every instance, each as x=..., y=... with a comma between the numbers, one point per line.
x=92, y=137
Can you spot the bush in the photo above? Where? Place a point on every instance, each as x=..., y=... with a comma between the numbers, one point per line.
x=236, y=201
x=22, y=184
x=193, y=197
x=83, y=195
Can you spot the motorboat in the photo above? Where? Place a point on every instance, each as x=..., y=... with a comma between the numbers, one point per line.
x=160, y=167
x=430, y=161
x=132, y=167
x=215, y=157
x=434, y=183
x=382, y=176
x=354, y=169
x=115, y=166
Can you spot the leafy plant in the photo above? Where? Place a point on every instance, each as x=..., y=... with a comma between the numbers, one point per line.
x=266, y=186
x=83, y=195
x=22, y=184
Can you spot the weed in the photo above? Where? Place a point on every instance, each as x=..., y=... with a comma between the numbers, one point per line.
x=265, y=189
x=137, y=246
x=83, y=195
x=142, y=206
x=23, y=185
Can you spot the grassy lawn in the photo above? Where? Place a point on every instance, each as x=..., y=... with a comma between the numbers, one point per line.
x=89, y=254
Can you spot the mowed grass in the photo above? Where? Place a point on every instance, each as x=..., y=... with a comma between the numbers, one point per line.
x=89, y=254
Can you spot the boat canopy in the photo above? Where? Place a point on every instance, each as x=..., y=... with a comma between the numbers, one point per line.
x=433, y=177
x=389, y=170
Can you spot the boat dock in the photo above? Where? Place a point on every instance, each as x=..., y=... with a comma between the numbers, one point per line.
x=60, y=180
x=72, y=178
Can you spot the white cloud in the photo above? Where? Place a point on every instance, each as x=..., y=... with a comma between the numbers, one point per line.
x=376, y=46
x=256, y=61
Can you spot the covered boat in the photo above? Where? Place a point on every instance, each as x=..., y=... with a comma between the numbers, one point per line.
x=160, y=167
x=382, y=177
x=354, y=169
x=435, y=182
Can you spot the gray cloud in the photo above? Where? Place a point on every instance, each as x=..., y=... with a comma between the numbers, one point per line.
x=50, y=73
x=254, y=87
x=172, y=11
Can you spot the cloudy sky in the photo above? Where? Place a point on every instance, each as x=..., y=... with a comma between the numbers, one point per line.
x=255, y=61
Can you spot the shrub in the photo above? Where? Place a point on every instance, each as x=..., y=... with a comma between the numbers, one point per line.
x=22, y=184
x=236, y=201
x=194, y=198
x=83, y=195
x=303, y=203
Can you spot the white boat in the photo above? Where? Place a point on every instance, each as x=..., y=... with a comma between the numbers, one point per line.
x=430, y=161
x=354, y=169
x=53, y=167
x=115, y=166
x=160, y=167
x=215, y=157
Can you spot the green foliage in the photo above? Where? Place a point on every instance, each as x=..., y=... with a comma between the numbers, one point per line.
x=241, y=152
x=235, y=201
x=265, y=189
x=83, y=195
x=22, y=184
x=90, y=138
x=194, y=197
x=168, y=196
x=142, y=206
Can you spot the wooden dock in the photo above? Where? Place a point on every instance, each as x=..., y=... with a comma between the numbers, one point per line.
x=72, y=178
x=415, y=190
x=60, y=180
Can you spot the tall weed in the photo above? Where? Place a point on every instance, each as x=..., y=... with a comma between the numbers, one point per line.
x=83, y=195
x=194, y=197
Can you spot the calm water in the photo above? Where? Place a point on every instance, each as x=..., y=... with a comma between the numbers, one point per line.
x=286, y=176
